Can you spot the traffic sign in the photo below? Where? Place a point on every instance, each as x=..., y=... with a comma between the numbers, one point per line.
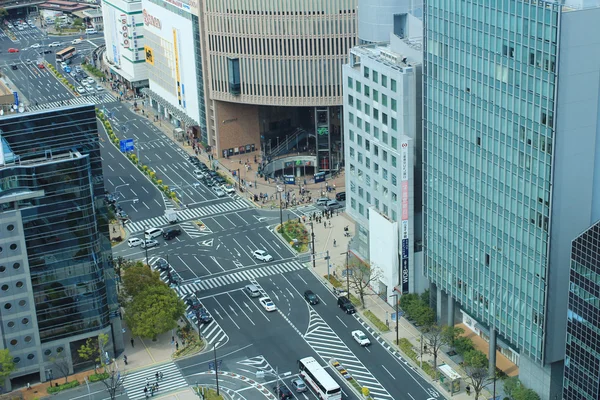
x=126, y=145
x=400, y=314
x=211, y=365
x=346, y=271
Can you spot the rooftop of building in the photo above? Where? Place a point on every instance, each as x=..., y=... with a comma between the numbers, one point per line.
x=576, y=5
x=4, y=90
x=383, y=52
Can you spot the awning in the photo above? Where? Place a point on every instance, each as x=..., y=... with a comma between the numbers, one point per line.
x=180, y=115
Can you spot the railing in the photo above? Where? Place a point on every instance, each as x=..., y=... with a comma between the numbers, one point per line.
x=290, y=142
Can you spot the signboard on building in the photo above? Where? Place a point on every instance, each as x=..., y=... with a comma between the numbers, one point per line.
x=124, y=31
x=151, y=20
x=404, y=167
x=149, y=54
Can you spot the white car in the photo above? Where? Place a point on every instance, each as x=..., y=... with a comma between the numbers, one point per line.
x=54, y=44
x=147, y=244
x=89, y=88
x=80, y=90
x=262, y=255
x=218, y=191
x=90, y=81
x=267, y=304
x=75, y=41
x=228, y=189
x=198, y=174
x=361, y=338
x=134, y=242
x=63, y=65
x=35, y=46
x=99, y=88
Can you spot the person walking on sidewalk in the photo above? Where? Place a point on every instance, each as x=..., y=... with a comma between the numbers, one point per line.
x=334, y=243
x=156, y=376
x=132, y=343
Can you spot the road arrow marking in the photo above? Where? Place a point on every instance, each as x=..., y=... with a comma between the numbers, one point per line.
x=208, y=242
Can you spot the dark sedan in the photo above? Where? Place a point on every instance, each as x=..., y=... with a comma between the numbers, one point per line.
x=311, y=297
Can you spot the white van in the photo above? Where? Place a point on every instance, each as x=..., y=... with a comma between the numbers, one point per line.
x=91, y=31
x=152, y=233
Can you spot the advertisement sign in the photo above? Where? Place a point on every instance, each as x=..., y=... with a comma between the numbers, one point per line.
x=404, y=228
x=404, y=161
x=289, y=179
x=404, y=186
x=149, y=55
x=124, y=31
x=177, y=72
x=16, y=95
x=404, y=277
x=320, y=177
x=126, y=145
x=151, y=20
x=404, y=249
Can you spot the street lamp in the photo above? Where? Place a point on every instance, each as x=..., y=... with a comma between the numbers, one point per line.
x=216, y=366
x=118, y=186
x=395, y=296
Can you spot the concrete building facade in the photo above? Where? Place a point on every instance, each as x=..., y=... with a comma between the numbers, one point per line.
x=511, y=162
x=123, y=29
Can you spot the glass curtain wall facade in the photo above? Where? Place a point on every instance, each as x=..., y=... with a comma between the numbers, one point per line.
x=489, y=85
x=582, y=360
x=56, y=155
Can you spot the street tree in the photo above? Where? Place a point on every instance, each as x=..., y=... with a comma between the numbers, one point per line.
x=139, y=277
x=3, y=14
x=361, y=275
x=450, y=335
x=113, y=379
x=424, y=315
x=93, y=349
x=7, y=365
x=61, y=363
x=154, y=311
x=433, y=338
x=476, y=367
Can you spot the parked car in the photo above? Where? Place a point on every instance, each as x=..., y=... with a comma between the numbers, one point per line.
x=194, y=160
x=14, y=67
x=341, y=196
x=361, y=338
x=228, y=189
x=311, y=297
x=346, y=305
x=322, y=201
x=148, y=244
x=267, y=304
x=262, y=255
x=198, y=174
x=219, y=192
x=41, y=66
x=332, y=205
x=80, y=90
x=13, y=50
x=220, y=180
x=203, y=315
x=193, y=302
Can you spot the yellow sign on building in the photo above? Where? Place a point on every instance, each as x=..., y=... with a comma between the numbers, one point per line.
x=149, y=55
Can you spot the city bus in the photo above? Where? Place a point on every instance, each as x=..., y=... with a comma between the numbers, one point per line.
x=65, y=54
x=319, y=379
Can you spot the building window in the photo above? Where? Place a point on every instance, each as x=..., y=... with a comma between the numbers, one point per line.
x=358, y=87
x=375, y=131
x=394, y=215
x=366, y=72
x=361, y=192
x=359, y=157
x=384, y=137
x=394, y=105
x=394, y=143
x=384, y=155
x=351, y=135
x=353, y=203
x=375, y=95
x=350, y=82
x=394, y=124
x=367, y=91
x=359, y=122
x=359, y=140
x=376, y=114
x=376, y=151
x=350, y=100
x=393, y=85
x=367, y=109
x=367, y=127
x=368, y=197
x=375, y=77
x=376, y=168
x=361, y=209
x=384, y=173
x=358, y=105
x=368, y=145
x=351, y=152
x=384, y=118
x=351, y=118
x=234, y=75
x=394, y=180
x=367, y=163
x=394, y=197
x=393, y=161
x=383, y=80
x=384, y=99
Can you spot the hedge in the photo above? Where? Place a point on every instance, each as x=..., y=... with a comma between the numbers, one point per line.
x=99, y=377
x=64, y=386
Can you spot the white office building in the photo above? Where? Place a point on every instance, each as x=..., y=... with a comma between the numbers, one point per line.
x=124, y=37
x=381, y=139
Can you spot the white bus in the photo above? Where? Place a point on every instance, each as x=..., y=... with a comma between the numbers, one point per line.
x=319, y=379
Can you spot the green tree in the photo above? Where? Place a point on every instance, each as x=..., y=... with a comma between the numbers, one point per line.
x=424, y=297
x=408, y=302
x=463, y=345
x=154, y=311
x=523, y=393
x=61, y=363
x=3, y=14
x=511, y=385
x=93, y=348
x=78, y=22
x=433, y=338
x=139, y=277
x=476, y=367
x=424, y=316
x=113, y=380
x=450, y=335
x=7, y=365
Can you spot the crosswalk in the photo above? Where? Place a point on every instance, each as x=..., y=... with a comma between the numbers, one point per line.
x=102, y=97
x=240, y=276
x=188, y=214
x=192, y=230
x=135, y=382
x=327, y=344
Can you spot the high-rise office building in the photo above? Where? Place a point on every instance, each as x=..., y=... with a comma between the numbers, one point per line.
x=582, y=358
x=56, y=277
x=511, y=99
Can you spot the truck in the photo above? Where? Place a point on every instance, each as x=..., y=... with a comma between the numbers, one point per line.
x=171, y=216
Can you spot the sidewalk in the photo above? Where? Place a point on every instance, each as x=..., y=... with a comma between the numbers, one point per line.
x=324, y=238
x=143, y=354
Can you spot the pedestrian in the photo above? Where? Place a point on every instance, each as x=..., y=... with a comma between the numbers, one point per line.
x=147, y=381
x=156, y=376
x=161, y=375
x=146, y=389
x=325, y=224
x=330, y=224
x=468, y=388
x=334, y=243
x=176, y=346
x=125, y=359
x=132, y=343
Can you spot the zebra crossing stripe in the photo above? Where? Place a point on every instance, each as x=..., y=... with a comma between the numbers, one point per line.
x=135, y=382
x=106, y=98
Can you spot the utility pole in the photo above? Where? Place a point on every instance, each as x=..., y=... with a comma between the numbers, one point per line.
x=328, y=266
x=216, y=367
x=312, y=234
x=395, y=296
x=347, y=270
